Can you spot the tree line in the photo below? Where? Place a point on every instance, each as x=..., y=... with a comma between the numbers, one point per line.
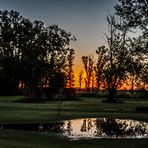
x=125, y=58
x=33, y=55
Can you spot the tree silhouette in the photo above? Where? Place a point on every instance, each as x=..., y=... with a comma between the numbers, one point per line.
x=9, y=53
x=134, y=13
x=69, y=69
x=102, y=59
x=89, y=67
x=31, y=53
x=80, y=79
x=119, y=56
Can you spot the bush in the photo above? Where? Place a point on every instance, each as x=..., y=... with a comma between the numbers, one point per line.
x=92, y=95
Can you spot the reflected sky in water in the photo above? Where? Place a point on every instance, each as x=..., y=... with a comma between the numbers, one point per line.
x=105, y=128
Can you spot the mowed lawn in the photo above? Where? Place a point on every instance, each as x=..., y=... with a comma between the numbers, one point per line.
x=12, y=110
x=19, y=139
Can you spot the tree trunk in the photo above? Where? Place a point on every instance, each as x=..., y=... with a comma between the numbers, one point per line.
x=132, y=87
x=111, y=95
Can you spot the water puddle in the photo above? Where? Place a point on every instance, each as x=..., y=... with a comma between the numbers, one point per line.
x=105, y=128
x=89, y=128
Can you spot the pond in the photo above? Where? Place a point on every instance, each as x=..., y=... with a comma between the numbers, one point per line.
x=88, y=128
x=105, y=128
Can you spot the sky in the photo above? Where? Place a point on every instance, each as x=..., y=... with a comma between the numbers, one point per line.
x=85, y=19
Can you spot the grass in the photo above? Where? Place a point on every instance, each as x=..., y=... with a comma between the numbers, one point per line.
x=47, y=140
x=12, y=110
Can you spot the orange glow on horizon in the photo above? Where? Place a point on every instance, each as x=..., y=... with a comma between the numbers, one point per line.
x=79, y=67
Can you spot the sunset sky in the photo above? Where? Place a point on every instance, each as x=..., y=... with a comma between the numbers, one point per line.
x=85, y=19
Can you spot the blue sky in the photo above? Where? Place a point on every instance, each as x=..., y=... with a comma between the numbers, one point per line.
x=85, y=19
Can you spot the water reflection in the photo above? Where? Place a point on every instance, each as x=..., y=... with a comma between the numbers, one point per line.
x=106, y=128
x=89, y=128
x=69, y=128
x=120, y=128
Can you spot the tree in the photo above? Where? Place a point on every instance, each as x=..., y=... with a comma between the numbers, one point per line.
x=102, y=59
x=9, y=54
x=93, y=82
x=59, y=56
x=80, y=79
x=32, y=46
x=134, y=13
x=21, y=46
x=31, y=53
x=70, y=73
x=89, y=67
x=119, y=56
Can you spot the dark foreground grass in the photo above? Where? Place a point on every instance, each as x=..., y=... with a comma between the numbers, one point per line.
x=19, y=139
